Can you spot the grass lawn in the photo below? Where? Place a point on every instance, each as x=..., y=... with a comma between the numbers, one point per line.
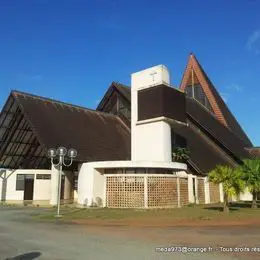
x=240, y=213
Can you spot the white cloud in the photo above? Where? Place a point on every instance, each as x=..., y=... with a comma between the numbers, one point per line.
x=235, y=87
x=253, y=42
x=30, y=77
x=225, y=96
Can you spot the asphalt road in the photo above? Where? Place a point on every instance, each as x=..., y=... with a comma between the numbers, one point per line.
x=24, y=239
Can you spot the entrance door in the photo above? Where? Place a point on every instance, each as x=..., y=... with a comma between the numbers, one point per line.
x=62, y=187
x=28, y=188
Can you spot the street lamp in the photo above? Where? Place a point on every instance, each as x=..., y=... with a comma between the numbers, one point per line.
x=61, y=153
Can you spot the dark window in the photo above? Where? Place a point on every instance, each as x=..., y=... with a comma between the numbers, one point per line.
x=198, y=93
x=188, y=91
x=76, y=176
x=113, y=170
x=20, y=181
x=43, y=176
x=178, y=141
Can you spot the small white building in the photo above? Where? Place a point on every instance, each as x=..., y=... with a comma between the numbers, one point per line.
x=125, y=147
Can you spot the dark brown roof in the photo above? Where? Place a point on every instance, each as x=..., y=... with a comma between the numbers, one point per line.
x=115, y=86
x=230, y=119
x=225, y=138
x=204, y=154
x=123, y=89
x=254, y=152
x=219, y=107
x=97, y=136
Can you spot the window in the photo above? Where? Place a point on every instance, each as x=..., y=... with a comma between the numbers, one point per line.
x=20, y=181
x=178, y=141
x=43, y=176
x=113, y=171
x=197, y=92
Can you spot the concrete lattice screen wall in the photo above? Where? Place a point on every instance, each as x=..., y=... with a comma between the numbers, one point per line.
x=162, y=192
x=146, y=191
x=214, y=193
x=184, y=191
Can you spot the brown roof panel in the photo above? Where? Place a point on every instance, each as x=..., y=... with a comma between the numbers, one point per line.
x=97, y=136
x=221, y=110
x=203, y=154
x=224, y=136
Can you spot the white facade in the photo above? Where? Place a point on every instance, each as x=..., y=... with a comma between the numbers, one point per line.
x=91, y=181
x=150, y=149
x=9, y=192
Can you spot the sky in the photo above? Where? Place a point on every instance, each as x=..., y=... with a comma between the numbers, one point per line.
x=73, y=50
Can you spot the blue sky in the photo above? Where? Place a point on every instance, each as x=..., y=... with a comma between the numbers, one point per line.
x=72, y=50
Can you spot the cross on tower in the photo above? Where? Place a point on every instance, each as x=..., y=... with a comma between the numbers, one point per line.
x=152, y=74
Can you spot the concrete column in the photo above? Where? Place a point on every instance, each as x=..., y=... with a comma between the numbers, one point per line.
x=67, y=187
x=190, y=189
x=54, y=185
x=145, y=191
x=85, y=185
x=221, y=193
x=178, y=192
x=206, y=190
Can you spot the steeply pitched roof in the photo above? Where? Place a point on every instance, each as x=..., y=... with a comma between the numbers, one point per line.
x=97, y=136
x=223, y=136
x=115, y=86
x=219, y=107
x=254, y=152
x=204, y=154
x=123, y=89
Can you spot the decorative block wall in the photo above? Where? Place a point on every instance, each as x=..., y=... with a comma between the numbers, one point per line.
x=124, y=192
x=162, y=192
x=214, y=193
x=145, y=191
x=184, y=192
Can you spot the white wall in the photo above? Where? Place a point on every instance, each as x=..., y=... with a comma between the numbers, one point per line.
x=41, y=187
x=85, y=184
x=90, y=185
x=246, y=195
x=91, y=181
x=151, y=141
x=98, y=187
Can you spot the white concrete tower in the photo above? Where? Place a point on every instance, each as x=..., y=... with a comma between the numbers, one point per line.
x=150, y=139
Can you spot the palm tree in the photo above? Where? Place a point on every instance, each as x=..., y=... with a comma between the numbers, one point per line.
x=251, y=176
x=231, y=180
x=181, y=154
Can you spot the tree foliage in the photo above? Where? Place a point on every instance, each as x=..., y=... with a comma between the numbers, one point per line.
x=231, y=180
x=250, y=170
x=181, y=154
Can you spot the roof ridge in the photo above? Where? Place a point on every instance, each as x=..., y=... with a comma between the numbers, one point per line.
x=15, y=92
x=122, y=85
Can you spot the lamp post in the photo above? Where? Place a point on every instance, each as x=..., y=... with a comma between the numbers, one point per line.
x=61, y=153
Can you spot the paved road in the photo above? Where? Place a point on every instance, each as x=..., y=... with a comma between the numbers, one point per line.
x=24, y=239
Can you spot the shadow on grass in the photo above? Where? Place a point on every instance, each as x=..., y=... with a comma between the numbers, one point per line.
x=220, y=208
x=241, y=204
x=27, y=256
